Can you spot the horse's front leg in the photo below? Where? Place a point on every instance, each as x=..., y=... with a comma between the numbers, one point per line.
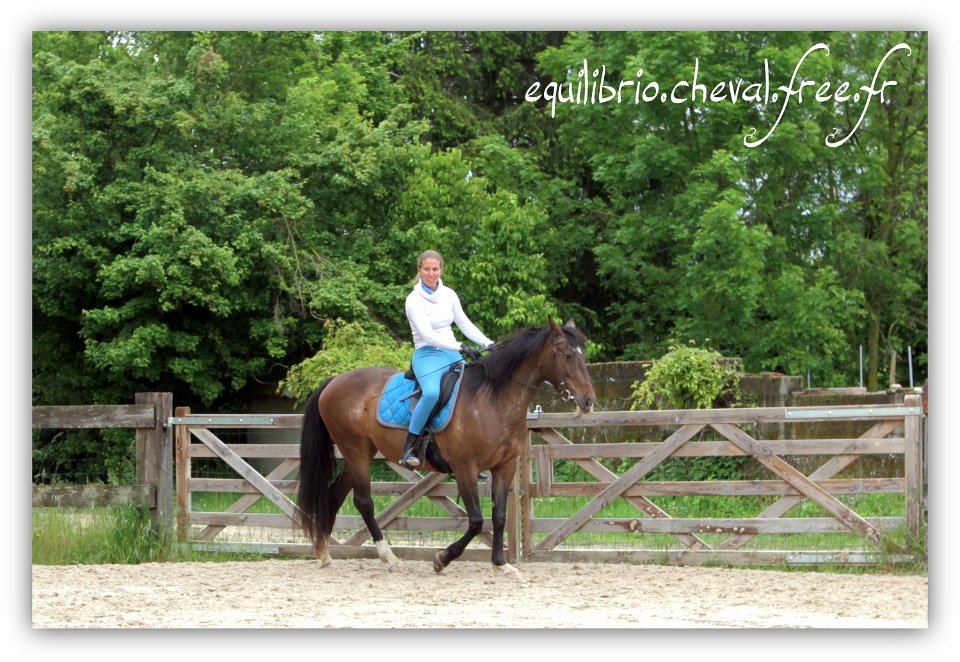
x=467, y=484
x=502, y=477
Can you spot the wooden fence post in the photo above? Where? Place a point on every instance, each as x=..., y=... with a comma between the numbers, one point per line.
x=184, y=502
x=913, y=466
x=526, y=501
x=155, y=459
x=513, y=523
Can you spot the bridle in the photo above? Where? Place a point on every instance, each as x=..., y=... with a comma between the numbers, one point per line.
x=561, y=390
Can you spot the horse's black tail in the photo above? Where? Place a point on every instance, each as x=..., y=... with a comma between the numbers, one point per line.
x=317, y=468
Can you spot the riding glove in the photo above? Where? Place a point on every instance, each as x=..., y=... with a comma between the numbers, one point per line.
x=469, y=352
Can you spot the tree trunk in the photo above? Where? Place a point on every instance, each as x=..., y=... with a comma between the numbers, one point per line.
x=873, y=352
x=893, y=367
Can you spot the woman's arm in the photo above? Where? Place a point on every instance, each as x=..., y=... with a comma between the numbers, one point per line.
x=468, y=328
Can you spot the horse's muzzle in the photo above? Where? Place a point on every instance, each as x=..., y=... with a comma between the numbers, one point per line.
x=585, y=405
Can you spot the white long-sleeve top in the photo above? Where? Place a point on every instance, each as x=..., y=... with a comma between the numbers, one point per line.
x=431, y=317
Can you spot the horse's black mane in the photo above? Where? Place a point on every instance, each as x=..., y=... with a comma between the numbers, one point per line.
x=496, y=369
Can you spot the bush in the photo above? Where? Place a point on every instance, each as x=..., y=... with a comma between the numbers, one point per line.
x=688, y=377
x=347, y=346
x=691, y=377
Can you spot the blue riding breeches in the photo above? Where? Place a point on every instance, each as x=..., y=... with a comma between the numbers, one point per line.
x=430, y=364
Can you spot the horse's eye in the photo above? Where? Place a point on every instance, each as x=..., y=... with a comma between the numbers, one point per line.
x=568, y=356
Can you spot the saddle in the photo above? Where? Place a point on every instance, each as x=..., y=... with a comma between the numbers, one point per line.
x=402, y=393
x=447, y=385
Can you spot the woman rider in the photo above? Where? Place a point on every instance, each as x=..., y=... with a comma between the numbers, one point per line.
x=431, y=309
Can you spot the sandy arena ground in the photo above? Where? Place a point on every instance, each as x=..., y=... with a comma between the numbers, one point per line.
x=365, y=594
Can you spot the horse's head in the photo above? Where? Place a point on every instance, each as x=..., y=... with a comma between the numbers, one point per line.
x=567, y=367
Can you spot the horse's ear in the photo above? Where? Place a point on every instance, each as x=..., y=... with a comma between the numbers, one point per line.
x=570, y=324
x=553, y=325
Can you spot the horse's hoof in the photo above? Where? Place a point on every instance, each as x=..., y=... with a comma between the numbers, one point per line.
x=387, y=556
x=507, y=571
x=438, y=564
x=393, y=563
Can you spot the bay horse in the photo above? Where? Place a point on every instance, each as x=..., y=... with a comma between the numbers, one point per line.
x=487, y=431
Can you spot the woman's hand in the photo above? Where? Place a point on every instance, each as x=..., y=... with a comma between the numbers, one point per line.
x=470, y=353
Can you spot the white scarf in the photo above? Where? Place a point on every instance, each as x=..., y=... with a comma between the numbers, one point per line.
x=432, y=298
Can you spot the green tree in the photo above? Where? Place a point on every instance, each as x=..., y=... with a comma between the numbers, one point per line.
x=699, y=236
x=204, y=202
x=347, y=346
x=881, y=191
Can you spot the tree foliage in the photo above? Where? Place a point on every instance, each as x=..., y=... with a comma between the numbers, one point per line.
x=206, y=203
x=688, y=377
x=348, y=346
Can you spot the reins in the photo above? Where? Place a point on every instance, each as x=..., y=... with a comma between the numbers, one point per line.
x=562, y=391
x=564, y=394
x=440, y=369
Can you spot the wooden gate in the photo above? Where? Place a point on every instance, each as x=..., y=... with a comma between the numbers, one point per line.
x=796, y=474
x=196, y=439
x=154, y=487
x=891, y=430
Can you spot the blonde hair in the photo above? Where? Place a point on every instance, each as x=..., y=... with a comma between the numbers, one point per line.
x=427, y=255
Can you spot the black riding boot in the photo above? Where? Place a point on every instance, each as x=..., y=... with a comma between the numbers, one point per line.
x=408, y=457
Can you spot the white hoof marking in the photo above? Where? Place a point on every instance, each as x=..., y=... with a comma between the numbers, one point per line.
x=507, y=571
x=387, y=556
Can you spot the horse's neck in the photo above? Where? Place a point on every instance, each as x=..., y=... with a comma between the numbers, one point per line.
x=524, y=384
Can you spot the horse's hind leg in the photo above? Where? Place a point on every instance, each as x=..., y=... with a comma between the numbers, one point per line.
x=338, y=493
x=363, y=500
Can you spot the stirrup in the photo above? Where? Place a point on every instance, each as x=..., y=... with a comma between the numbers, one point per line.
x=412, y=456
x=421, y=447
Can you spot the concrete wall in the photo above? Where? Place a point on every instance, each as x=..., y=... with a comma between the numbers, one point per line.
x=613, y=383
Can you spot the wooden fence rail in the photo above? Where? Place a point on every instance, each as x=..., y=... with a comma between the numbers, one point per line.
x=889, y=430
x=886, y=430
x=154, y=455
x=542, y=537
x=196, y=439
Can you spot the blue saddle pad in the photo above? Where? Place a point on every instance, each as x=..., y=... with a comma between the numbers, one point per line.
x=395, y=408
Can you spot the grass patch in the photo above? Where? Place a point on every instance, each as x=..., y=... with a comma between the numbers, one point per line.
x=88, y=536
x=94, y=535
x=124, y=535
